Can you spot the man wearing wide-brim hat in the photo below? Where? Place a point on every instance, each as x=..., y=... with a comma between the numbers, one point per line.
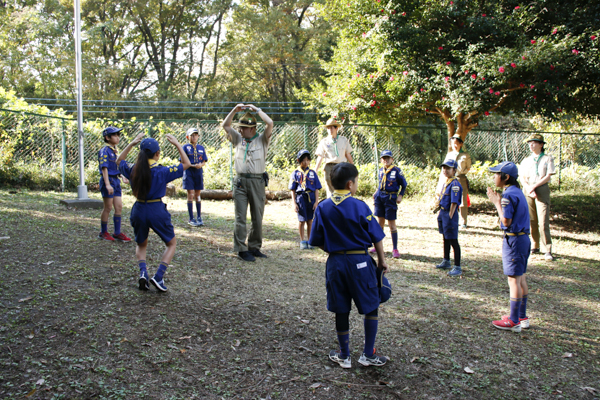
x=332, y=150
x=249, y=184
x=535, y=172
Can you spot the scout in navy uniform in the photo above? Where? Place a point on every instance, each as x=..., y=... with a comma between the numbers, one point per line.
x=193, y=178
x=389, y=194
x=149, y=184
x=514, y=220
x=305, y=186
x=345, y=228
x=110, y=185
x=449, y=200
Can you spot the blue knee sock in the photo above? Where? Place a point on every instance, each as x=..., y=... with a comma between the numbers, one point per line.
x=117, y=221
x=191, y=209
x=395, y=239
x=523, y=308
x=142, y=265
x=103, y=226
x=370, y=333
x=344, y=339
x=162, y=268
x=198, y=208
x=515, y=304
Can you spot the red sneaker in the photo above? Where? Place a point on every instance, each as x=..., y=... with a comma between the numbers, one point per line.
x=121, y=237
x=105, y=236
x=524, y=321
x=507, y=325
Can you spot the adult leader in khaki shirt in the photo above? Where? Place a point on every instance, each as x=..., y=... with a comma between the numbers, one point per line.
x=536, y=172
x=332, y=150
x=463, y=160
x=249, y=185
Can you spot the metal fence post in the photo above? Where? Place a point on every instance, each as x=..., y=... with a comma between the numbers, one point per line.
x=64, y=153
x=559, y=161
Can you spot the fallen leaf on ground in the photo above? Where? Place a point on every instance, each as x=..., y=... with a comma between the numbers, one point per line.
x=469, y=370
x=567, y=355
x=25, y=299
x=315, y=385
x=48, y=263
x=40, y=382
x=184, y=338
x=31, y=393
x=590, y=389
x=237, y=343
x=305, y=321
x=412, y=360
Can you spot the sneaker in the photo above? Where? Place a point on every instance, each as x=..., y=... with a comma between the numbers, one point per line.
x=199, y=222
x=463, y=226
x=246, y=256
x=335, y=356
x=549, y=257
x=121, y=237
x=309, y=247
x=524, y=321
x=106, y=236
x=395, y=253
x=445, y=264
x=535, y=251
x=192, y=222
x=456, y=271
x=256, y=253
x=374, y=360
x=373, y=250
x=507, y=325
x=303, y=245
x=160, y=285
x=143, y=281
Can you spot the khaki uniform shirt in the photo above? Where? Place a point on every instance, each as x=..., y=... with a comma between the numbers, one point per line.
x=463, y=159
x=326, y=149
x=533, y=171
x=255, y=155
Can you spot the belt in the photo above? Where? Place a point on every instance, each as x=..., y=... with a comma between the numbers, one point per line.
x=443, y=208
x=515, y=234
x=461, y=176
x=114, y=176
x=149, y=201
x=331, y=163
x=251, y=176
x=351, y=252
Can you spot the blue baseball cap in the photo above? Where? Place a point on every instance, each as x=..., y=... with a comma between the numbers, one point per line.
x=386, y=153
x=150, y=144
x=450, y=163
x=111, y=130
x=301, y=153
x=508, y=167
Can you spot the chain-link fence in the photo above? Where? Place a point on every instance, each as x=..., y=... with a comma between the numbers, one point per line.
x=51, y=141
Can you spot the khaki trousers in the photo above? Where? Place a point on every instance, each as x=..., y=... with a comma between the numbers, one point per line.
x=539, y=214
x=329, y=186
x=464, y=208
x=249, y=192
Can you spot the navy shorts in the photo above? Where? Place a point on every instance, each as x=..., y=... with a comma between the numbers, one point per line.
x=515, y=253
x=351, y=277
x=115, y=182
x=386, y=207
x=193, y=179
x=146, y=216
x=306, y=211
x=448, y=226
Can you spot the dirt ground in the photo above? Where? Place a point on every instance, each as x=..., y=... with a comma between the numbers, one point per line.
x=74, y=325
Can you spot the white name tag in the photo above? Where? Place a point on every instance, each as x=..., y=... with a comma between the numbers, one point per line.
x=393, y=174
x=361, y=265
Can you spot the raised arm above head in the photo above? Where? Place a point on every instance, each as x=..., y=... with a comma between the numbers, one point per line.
x=268, y=121
x=185, y=161
x=229, y=120
x=127, y=149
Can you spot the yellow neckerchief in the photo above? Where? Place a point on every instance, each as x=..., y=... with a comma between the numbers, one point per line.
x=114, y=148
x=303, y=177
x=448, y=181
x=506, y=187
x=248, y=141
x=385, y=172
x=194, y=147
x=340, y=195
x=153, y=163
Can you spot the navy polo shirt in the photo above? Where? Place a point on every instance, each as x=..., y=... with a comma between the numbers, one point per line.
x=160, y=177
x=196, y=155
x=107, y=158
x=451, y=193
x=514, y=206
x=394, y=180
x=308, y=178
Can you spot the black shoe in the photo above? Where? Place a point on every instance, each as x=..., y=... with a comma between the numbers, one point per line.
x=246, y=256
x=257, y=253
x=535, y=251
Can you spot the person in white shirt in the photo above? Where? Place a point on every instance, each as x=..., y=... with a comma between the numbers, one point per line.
x=332, y=150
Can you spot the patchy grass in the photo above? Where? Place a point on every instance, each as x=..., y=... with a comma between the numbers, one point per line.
x=75, y=326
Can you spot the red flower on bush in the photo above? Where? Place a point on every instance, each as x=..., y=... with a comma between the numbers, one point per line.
x=483, y=79
x=422, y=90
x=554, y=31
x=405, y=73
x=552, y=67
x=533, y=42
x=440, y=48
x=525, y=102
x=393, y=11
x=593, y=37
x=483, y=15
x=523, y=57
x=517, y=7
x=522, y=85
x=404, y=14
x=501, y=69
x=491, y=91
x=391, y=78
x=513, y=65
x=486, y=113
x=575, y=51
x=448, y=63
x=497, y=93
x=447, y=78
x=474, y=76
x=532, y=86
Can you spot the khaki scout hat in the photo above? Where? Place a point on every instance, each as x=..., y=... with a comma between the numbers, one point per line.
x=332, y=122
x=457, y=137
x=248, y=120
x=536, y=137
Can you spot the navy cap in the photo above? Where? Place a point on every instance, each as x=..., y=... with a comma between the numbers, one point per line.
x=450, y=163
x=386, y=153
x=110, y=131
x=508, y=167
x=150, y=144
x=301, y=153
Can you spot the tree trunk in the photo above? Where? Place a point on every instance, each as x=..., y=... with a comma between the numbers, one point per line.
x=461, y=124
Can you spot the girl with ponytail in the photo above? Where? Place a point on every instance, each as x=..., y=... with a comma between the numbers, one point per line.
x=149, y=184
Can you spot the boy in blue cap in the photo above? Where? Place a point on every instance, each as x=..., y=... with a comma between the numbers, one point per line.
x=305, y=186
x=514, y=220
x=110, y=185
x=389, y=194
x=449, y=200
x=193, y=178
x=345, y=228
x=149, y=185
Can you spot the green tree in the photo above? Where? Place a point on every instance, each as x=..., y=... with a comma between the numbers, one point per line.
x=401, y=60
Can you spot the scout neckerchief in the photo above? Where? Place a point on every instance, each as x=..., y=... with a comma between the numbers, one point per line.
x=153, y=163
x=340, y=195
x=537, y=160
x=302, y=177
x=334, y=141
x=385, y=172
x=248, y=141
x=448, y=181
x=194, y=147
x=114, y=148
